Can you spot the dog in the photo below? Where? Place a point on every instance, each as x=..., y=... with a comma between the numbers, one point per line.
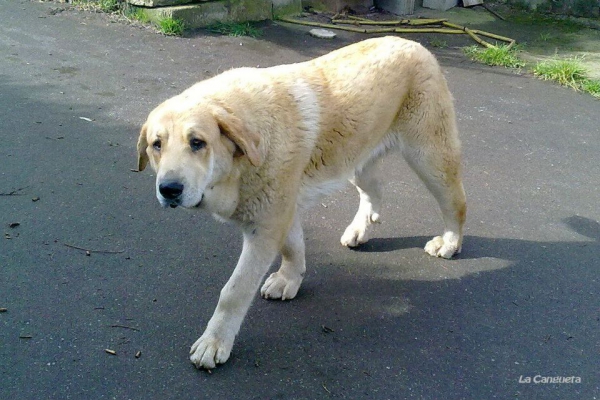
x=257, y=146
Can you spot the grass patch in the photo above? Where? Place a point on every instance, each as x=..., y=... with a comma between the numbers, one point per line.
x=438, y=43
x=167, y=26
x=235, y=29
x=171, y=26
x=552, y=24
x=592, y=87
x=136, y=14
x=495, y=56
x=106, y=6
x=567, y=72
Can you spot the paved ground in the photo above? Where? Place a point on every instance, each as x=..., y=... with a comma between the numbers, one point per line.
x=521, y=301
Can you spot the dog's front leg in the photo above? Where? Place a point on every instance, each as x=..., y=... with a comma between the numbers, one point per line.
x=258, y=253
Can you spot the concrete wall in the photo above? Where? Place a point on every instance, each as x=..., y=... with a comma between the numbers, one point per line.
x=202, y=13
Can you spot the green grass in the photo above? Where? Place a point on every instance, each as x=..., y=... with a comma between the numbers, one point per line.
x=167, y=26
x=107, y=6
x=235, y=29
x=545, y=37
x=592, y=87
x=171, y=26
x=438, y=43
x=136, y=14
x=495, y=56
x=539, y=20
x=567, y=72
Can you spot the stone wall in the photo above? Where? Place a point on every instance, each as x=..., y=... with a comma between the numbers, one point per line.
x=202, y=13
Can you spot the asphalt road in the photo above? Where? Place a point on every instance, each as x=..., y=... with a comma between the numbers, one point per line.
x=384, y=322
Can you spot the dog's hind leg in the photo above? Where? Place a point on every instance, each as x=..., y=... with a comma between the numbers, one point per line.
x=368, y=210
x=284, y=284
x=440, y=170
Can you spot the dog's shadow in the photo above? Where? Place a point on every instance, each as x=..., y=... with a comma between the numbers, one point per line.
x=507, y=249
x=363, y=315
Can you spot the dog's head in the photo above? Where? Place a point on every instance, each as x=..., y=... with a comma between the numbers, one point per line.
x=196, y=152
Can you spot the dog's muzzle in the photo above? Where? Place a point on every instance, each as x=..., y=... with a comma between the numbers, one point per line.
x=171, y=192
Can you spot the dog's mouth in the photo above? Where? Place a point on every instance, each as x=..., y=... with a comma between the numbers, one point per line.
x=175, y=204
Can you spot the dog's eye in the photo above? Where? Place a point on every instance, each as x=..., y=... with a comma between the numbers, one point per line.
x=156, y=145
x=197, y=144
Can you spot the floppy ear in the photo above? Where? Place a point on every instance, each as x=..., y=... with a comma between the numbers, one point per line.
x=142, y=145
x=235, y=130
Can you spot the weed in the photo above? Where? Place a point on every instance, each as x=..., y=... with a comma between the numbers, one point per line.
x=440, y=44
x=107, y=6
x=235, y=29
x=521, y=5
x=548, y=22
x=171, y=26
x=567, y=72
x=136, y=14
x=501, y=55
x=592, y=87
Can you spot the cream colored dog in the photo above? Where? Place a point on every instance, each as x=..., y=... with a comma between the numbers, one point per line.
x=258, y=146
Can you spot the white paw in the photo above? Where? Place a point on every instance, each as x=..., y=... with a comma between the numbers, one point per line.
x=439, y=247
x=356, y=232
x=354, y=235
x=208, y=351
x=278, y=286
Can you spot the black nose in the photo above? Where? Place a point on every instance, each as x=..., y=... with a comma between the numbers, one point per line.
x=170, y=190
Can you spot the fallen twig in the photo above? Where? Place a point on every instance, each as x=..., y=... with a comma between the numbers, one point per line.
x=93, y=251
x=125, y=327
x=14, y=192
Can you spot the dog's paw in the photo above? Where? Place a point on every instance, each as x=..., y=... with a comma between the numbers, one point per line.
x=209, y=350
x=278, y=286
x=439, y=247
x=356, y=232
x=354, y=236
